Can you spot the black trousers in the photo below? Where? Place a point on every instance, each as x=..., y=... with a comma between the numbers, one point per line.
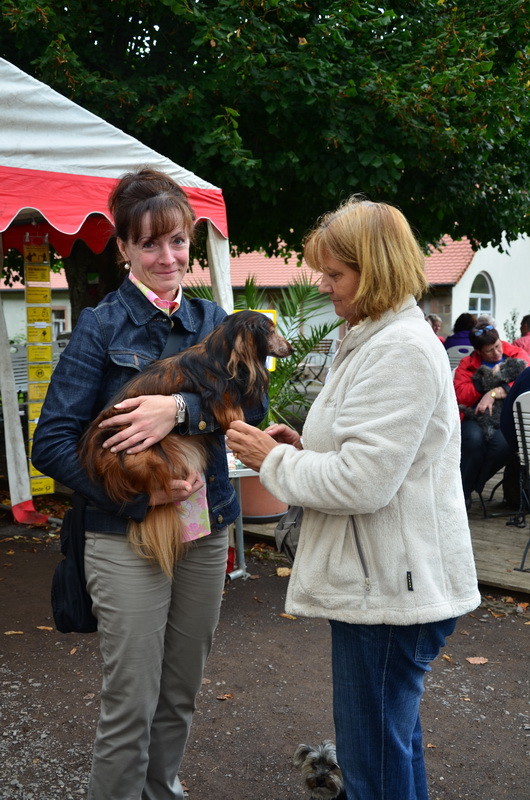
x=480, y=458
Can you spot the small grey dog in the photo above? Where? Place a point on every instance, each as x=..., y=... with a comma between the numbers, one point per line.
x=485, y=380
x=320, y=771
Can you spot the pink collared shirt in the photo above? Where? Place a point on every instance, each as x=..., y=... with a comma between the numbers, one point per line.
x=169, y=306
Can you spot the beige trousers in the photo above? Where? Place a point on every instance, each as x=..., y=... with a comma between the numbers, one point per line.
x=155, y=636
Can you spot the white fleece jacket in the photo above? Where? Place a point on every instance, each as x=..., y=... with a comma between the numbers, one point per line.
x=385, y=537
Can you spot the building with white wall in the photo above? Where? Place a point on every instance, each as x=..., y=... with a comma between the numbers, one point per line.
x=483, y=282
x=14, y=304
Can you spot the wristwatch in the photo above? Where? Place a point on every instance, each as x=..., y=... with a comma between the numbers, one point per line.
x=493, y=394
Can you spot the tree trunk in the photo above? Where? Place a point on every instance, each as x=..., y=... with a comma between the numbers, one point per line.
x=90, y=276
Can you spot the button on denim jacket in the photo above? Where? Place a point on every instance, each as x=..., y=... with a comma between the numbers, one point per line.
x=109, y=345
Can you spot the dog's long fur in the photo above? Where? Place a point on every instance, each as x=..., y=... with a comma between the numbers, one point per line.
x=320, y=770
x=227, y=369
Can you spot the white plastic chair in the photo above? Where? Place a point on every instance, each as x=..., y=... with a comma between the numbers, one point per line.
x=521, y=414
x=457, y=353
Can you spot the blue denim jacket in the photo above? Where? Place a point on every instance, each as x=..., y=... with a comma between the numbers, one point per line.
x=109, y=345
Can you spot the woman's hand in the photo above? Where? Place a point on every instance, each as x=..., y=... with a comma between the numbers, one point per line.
x=486, y=402
x=284, y=435
x=249, y=444
x=180, y=490
x=148, y=419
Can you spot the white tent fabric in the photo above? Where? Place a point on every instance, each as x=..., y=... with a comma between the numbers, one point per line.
x=42, y=129
x=59, y=156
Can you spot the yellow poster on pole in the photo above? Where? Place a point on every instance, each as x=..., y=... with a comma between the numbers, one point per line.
x=39, y=349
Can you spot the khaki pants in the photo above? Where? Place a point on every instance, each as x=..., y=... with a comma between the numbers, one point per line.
x=155, y=636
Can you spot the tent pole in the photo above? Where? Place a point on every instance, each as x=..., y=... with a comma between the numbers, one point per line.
x=17, y=462
x=218, y=251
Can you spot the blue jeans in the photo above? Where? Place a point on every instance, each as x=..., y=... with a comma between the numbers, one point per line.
x=378, y=673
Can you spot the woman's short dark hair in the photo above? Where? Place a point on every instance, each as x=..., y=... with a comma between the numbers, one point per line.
x=149, y=191
x=465, y=322
x=483, y=336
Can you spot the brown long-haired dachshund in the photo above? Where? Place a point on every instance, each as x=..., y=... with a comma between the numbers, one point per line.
x=227, y=369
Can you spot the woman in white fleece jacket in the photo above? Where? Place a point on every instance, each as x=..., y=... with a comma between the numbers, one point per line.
x=385, y=552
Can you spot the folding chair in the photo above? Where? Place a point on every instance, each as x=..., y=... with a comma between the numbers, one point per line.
x=521, y=413
x=457, y=353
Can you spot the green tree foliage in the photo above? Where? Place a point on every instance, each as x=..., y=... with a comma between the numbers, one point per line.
x=291, y=105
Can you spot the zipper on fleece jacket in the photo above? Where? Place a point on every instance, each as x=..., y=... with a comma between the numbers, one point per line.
x=362, y=561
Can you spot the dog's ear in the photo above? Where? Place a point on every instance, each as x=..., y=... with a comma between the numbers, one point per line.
x=301, y=753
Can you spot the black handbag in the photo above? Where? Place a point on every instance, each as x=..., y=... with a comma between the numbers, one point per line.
x=71, y=603
x=287, y=532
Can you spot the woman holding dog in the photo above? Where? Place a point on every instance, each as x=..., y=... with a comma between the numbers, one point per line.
x=482, y=381
x=385, y=551
x=155, y=632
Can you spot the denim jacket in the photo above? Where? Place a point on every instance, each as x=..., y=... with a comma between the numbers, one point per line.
x=109, y=345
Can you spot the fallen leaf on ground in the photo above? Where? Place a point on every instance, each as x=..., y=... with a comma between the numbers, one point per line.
x=283, y=572
x=466, y=699
x=431, y=745
x=447, y=658
x=13, y=633
x=464, y=633
x=10, y=552
x=477, y=660
x=73, y=651
x=44, y=628
x=495, y=614
x=286, y=616
x=226, y=696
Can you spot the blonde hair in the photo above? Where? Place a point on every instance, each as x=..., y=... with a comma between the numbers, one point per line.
x=376, y=241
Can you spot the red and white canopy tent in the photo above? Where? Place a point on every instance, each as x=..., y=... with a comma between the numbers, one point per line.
x=58, y=164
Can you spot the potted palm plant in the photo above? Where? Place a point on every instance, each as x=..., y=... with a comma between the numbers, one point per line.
x=290, y=394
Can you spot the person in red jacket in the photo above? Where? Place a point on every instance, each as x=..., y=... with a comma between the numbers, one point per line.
x=484, y=450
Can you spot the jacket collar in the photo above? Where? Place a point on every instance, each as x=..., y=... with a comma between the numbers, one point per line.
x=368, y=327
x=141, y=310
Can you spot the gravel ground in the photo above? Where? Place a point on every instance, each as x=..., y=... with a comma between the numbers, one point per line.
x=267, y=688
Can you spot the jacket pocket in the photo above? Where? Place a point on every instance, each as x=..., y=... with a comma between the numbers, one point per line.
x=328, y=567
x=122, y=365
x=362, y=561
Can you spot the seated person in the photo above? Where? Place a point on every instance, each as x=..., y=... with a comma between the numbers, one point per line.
x=482, y=381
x=460, y=335
x=524, y=340
x=521, y=385
x=436, y=324
x=511, y=473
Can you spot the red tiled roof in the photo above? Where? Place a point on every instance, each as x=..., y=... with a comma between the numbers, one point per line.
x=57, y=281
x=443, y=267
x=268, y=272
x=447, y=265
